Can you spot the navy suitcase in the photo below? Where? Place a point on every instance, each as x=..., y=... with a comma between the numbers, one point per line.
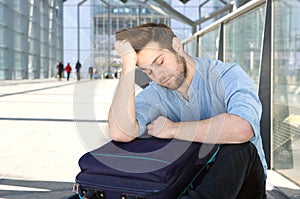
x=146, y=168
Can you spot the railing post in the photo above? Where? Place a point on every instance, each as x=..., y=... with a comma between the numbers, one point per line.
x=221, y=43
x=265, y=83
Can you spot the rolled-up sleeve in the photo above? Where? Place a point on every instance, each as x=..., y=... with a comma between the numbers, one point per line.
x=148, y=107
x=246, y=105
x=241, y=96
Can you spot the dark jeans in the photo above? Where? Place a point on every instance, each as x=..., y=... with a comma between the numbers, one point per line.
x=236, y=173
x=68, y=76
x=59, y=75
x=78, y=75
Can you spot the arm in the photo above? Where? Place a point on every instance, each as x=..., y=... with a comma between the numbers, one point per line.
x=223, y=128
x=122, y=119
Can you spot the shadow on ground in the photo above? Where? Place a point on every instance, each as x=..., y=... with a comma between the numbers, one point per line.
x=283, y=193
x=21, y=189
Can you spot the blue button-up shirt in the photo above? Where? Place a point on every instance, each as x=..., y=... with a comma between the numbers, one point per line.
x=216, y=88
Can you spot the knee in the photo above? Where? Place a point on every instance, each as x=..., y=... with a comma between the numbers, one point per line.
x=232, y=148
x=244, y=151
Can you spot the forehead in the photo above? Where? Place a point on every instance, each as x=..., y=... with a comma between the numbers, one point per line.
x=148, y=54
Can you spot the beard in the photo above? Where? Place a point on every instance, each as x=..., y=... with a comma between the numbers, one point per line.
x=181, y=76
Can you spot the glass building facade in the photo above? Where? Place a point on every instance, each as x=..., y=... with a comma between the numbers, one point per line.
x=96, y=22
x=286, y=89
x=31, y=38
x=96, y=25
x=244, y=38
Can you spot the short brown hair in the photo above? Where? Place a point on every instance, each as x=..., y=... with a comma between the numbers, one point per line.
x=141, y=35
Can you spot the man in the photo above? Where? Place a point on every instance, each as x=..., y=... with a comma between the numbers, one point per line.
x=91, y=72
x=77, y=67
x=60, y=69
x=68, y=69
x=192, y=99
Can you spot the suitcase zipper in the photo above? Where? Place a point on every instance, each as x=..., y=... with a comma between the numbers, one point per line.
x=131, y=157
x=97, y=186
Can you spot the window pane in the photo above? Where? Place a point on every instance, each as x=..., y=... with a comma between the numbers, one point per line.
x=286, y=89
x=2, y=68
x=1, y=13
x=190, y=47
x=243, y=39
x=209, y=44
x=2, y=30
x=18, y=67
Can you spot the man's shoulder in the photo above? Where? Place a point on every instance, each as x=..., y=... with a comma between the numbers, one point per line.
x=207, y=66
x=207, y=62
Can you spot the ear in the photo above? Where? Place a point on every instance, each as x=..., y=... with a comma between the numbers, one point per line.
x=177, y=45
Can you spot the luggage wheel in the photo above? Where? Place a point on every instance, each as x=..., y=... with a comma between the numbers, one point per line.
x=93, y=194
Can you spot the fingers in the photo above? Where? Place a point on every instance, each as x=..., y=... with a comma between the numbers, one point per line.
x=150, y=130
x=123, y=48
x=149, y=127
x=157, y=126
x=126, y=53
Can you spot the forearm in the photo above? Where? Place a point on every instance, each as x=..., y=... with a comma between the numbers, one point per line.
x=221, y=129
x=122, y=120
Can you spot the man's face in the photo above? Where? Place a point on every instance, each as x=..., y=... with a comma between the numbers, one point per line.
x=164, y=67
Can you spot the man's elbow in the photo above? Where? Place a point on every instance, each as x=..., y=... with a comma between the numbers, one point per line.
x=246, y=136
x=246, y=133
x=120, y=136
x=243, y=131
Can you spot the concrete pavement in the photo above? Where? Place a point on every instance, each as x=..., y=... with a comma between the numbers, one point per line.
x=40, y=142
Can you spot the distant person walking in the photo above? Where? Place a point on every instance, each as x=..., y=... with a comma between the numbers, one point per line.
x=68, y=69
x=91, y=72
x=77, y=67
x=60, y=69
x=96, y=75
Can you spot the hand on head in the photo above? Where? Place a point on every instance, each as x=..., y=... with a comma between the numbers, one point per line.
x=126, y=52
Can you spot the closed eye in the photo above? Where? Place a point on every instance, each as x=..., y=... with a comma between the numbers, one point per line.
x=159, y=64
x=147, y=71
x=159, y=61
